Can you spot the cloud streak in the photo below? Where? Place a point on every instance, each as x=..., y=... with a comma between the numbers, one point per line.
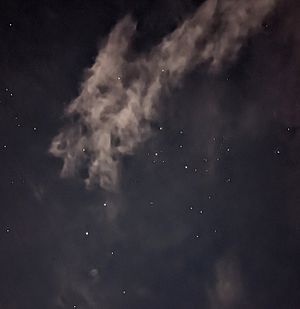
x=120, y=97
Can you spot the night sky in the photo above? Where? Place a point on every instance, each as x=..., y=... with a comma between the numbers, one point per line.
x=193, y=204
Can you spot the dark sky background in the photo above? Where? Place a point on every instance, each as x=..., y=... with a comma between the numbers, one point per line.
x=207, y=215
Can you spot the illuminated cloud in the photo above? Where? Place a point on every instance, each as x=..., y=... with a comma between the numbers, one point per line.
x=120, y=96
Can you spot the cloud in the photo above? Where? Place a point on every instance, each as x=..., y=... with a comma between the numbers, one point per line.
x=121, y=95
x=228, y=290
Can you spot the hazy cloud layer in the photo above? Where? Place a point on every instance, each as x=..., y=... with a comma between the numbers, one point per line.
x=120, y=96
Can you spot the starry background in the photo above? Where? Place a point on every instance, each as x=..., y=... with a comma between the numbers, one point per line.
x=208, y=214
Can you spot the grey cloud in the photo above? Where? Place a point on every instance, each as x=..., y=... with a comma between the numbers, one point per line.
x=120, y=97
x=228, y=289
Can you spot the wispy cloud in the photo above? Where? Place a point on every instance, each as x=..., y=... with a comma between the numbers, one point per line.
x=121, y=96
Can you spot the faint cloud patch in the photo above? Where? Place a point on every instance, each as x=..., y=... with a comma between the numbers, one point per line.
x=228, y=290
